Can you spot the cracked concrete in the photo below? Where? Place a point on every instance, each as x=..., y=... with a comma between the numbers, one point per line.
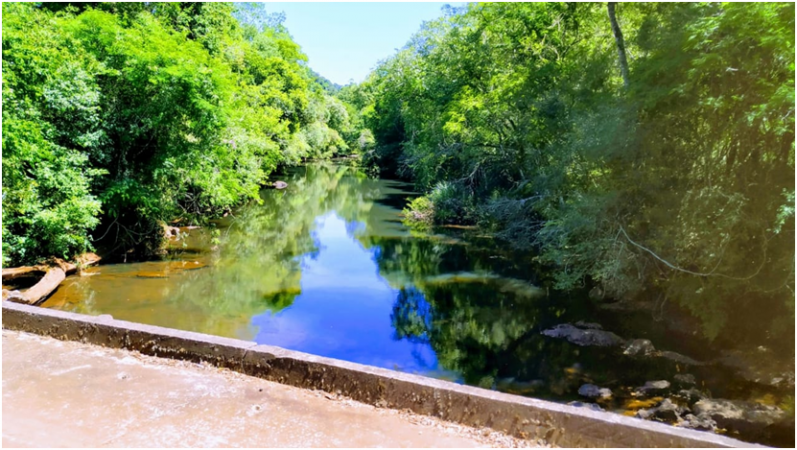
x=71, y=394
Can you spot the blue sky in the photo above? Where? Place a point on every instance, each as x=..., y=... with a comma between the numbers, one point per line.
x=344, y=41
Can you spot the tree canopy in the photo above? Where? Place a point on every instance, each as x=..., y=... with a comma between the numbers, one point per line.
x=121, y=116
x=664, y=173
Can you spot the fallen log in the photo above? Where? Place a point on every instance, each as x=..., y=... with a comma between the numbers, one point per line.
x=54, y=274
x=22, y=272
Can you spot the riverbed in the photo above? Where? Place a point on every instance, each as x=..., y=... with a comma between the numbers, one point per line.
x=327, y=267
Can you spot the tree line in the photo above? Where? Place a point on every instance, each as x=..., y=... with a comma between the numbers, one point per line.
x=645, y=149
x=119, y=117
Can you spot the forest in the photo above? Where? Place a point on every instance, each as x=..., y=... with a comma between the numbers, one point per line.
x=643, y=151
x=120, y=117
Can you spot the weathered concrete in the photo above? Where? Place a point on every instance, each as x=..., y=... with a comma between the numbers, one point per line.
x=80, y=395
x=518, y=416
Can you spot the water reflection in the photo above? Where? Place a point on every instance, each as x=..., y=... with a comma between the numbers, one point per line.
x=343, y=308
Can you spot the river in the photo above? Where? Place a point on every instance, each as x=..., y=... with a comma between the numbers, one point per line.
x=327, y=267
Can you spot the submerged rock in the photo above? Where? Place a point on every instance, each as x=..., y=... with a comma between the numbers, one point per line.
x=685, y=379
x=518, y=387
x=152, y=274
x=592, y=391
x=679, y=358
x=759, y=366
x=639, y=347
x=654, y=387
x=584, y=337
x=515, y=286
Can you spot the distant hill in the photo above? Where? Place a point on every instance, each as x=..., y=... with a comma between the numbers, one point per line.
x=329, y=87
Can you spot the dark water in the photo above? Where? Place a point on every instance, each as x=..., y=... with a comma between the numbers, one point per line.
x=327, y=267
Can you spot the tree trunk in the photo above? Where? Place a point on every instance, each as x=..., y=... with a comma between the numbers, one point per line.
x=54, y=274
x=618, y=37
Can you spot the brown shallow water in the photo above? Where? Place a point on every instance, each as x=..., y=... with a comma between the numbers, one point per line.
x=327, y=267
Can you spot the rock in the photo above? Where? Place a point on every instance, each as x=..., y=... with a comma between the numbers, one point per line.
x=679, y=358
x=665, y=411
x=654, y=387
x=584, y=337
x=591, y=406
x=668, y=411
x=699, y=422
x=152, y=274
x=685, y=379
x=759, y=366
x=691, y=395
x=744, y=417
x=280, y=185
x=592, y=391
x=590, y=325
x=639, y=347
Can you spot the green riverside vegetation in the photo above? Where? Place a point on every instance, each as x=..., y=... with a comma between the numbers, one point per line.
x=119, y=117
x=652, y=159
x=643, y=151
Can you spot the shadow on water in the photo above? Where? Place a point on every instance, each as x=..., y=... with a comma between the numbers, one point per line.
x=327, y=267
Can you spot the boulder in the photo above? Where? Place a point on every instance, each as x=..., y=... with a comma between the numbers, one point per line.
x=592, y=391
x=743, y=417
x=641, y=347
x=583, y=337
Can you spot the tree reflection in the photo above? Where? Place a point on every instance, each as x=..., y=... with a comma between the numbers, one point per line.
x=257, y=261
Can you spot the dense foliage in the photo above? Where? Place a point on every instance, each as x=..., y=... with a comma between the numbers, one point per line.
x=675, y=185
x=119, y=117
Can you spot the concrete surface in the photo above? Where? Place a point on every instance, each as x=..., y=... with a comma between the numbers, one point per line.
x=79, y=395
x=522, y=417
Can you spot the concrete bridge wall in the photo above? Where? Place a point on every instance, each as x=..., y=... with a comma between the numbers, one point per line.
x=523, y=417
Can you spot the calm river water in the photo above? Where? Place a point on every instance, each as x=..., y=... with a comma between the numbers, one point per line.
x=327, y=267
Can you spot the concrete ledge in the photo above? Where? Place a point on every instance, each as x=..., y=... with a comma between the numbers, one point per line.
x=523, y=417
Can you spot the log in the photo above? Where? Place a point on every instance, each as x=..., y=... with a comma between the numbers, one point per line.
x=21, y=272
x=54, y=274
x=41, y=290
